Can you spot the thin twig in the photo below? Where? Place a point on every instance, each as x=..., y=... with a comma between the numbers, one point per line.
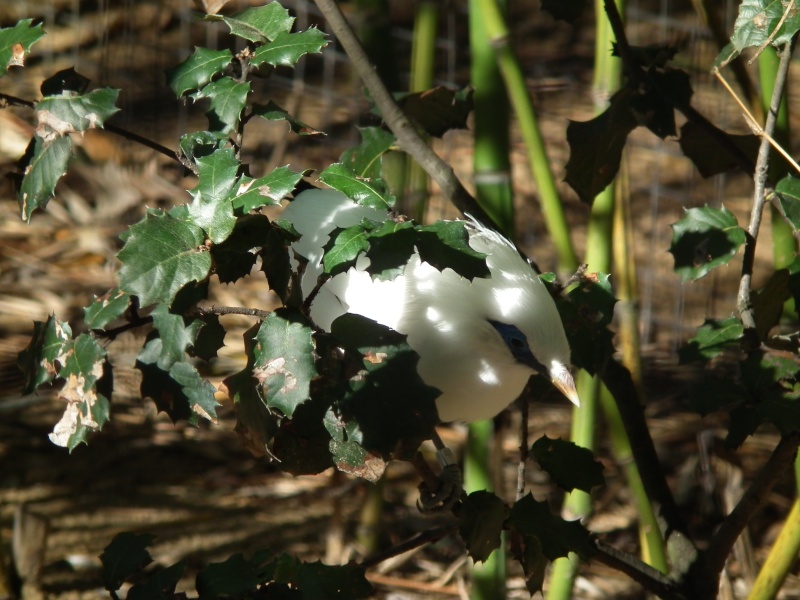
x=721, y=544
x=426, y=537
x=743, y=303
x=406, y=133
x=231, y=310
x=651, y=579
x=524, y=405
x=6, y=100
x=752, y=122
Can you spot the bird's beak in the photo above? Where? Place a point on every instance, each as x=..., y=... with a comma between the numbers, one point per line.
x=563, y=380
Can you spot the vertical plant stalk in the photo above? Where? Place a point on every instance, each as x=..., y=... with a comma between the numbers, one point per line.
x=423, y=53
x=495, y=195
x=744, y=305
x=781, y=559
x=553, y=210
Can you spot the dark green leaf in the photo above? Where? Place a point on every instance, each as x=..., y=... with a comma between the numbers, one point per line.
x=710, y=155
x=126, y=555
x=287, y=48
x=366, y=192
x=48, y=163
x=265, y=191
x=533, y=562
x=769, y=301
x=45, y=353
x=344, y=247
x=703, y=240
x=391, y=247
x=255, y=423
x=365, y=159
x=260, y=24
x=212, y=207
x=557, y=536
x=273, y=112
x=197, y=70
x=715, y=393
x=210, y=339
x=60, y=115
x=106, y=308
x=713, y=337
x=161, y=255
x=16, y=42
x=284, y=360
x=788, y=198
x=231, y=578
x=228, y=99
x=387, y=401
x=182, y=393
x=66, y=82
x=174, y=338
x=84, y=362
x=445, y=244
x=481, y=522
x=586, y=313
x=595, y=147
x=438, y=110
x=322, y=582
x=201, y=143
x=234, y=258
x=160, y=585
x=570, y=466
x=655, y=107
x=757, y=24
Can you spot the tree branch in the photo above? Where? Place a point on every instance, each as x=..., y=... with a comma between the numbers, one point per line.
x=651, y=579
x=405, y=132
x=743, y=303
x=722, y=543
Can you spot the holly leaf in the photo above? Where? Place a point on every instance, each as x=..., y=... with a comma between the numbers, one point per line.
x=201, y=143
x=345, y=245
x=59, y=115
x=231, y=578
x=212, y=207
x=557, y=536
x=316, y=581
x=160, y=585
x=570, y=466
x=180, y=392
x=709, y=155
x=16, y=42
x=758, y=23
x=258, y=24
x=173, y=341
x=788, y=199
x=703, y=240
x=438, y=110
x=713, y=337
x=105, y=309
x=595, y=147
x=43, y=167
x=365, y=159
x=228, y=99
x=482, y=517
x=126, y=555
x=287, y=48
x=284, y=360
x=273, y=112
x=445, y=244
x=390, y=248
x=197, y=70
x=234, y=258
x=46, y=352
x=367, y=192
x=265, y=191
x=161, y=255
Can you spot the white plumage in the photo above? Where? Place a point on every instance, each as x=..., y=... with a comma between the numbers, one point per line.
x=470, y=335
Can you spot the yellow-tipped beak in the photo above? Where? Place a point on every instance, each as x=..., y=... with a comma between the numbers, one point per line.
x=563, y=380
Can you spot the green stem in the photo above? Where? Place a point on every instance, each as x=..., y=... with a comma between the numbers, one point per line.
x=552, y=208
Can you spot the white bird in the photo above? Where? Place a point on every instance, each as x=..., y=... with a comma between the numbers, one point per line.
x=478, y=341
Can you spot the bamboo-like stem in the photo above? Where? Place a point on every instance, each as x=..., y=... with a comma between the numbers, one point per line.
x=552, y=207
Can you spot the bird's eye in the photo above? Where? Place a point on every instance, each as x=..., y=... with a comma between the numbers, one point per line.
x=517, y=343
